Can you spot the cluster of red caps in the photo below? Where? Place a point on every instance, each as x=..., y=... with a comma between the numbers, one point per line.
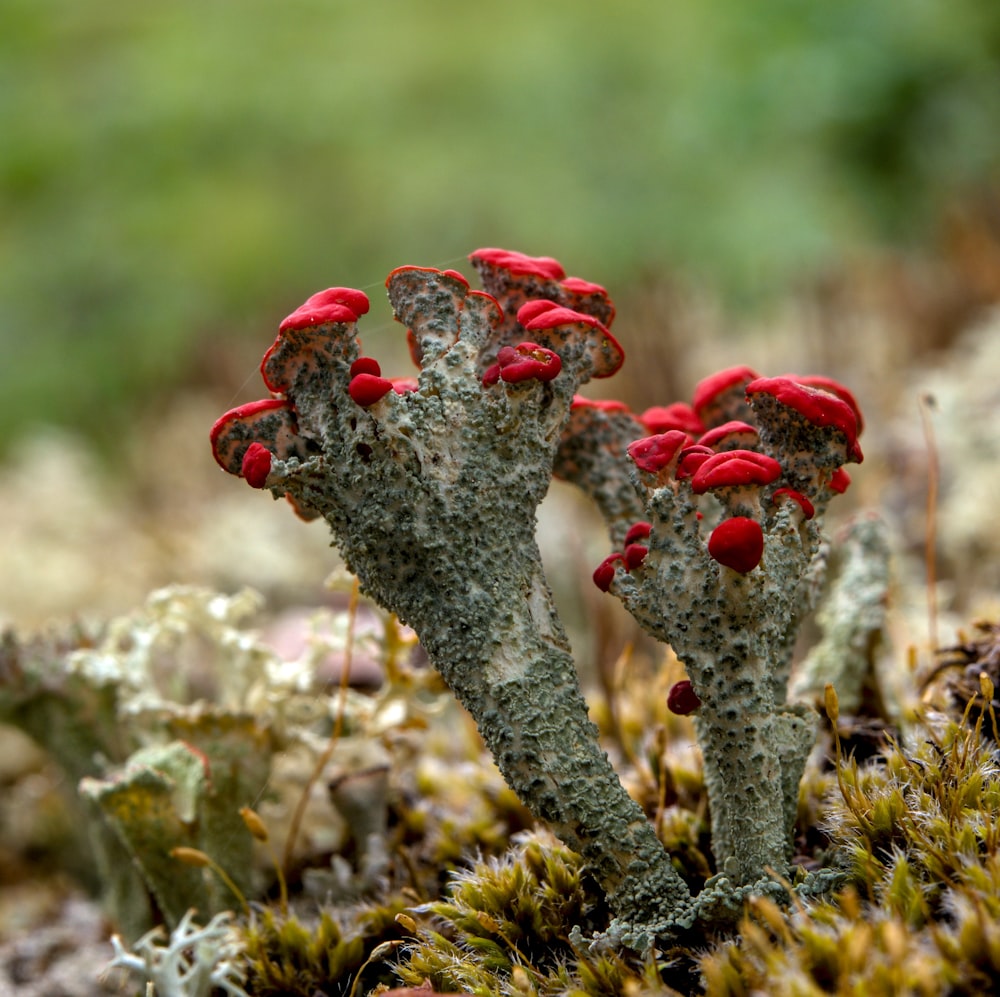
x=534, y=289
x=709, y=445
x=720, y=459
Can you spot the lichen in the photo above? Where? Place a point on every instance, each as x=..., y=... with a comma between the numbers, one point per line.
x=431, y=488
x=731, y=609
x=194, y=961
x=431, y=495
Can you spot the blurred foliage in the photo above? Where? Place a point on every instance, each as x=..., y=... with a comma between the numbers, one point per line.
x=175, y=176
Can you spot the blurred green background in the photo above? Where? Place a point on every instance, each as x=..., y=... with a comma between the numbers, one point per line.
x=176, y=176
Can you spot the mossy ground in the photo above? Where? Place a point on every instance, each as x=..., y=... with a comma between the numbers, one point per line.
x=452, y=886
x=913, y=829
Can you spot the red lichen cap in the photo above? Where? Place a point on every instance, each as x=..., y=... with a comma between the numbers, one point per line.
x=734, y=469
x=534, y=307
x=691, y=458
x=711, y=387
x=840, y=481
x=587, y=297
x=682, y=699
x=516, y=279
x=654, y=453
x=307, y=337
x=825, y=383
x=365, y=365
x=577, y=285
x=256, y=465
x=808, y=509
x=335, y=304
x=544, y=267
x=815, y=405
x=565, y=326
x=601, y=404
x=737, y=543
x=525, y=362
x=679, y=415
x=270, y=422
x=638, y=531
x=635, y=554
x=366, y=389
x=491, y=375
x=604, y=573
x=729, y=432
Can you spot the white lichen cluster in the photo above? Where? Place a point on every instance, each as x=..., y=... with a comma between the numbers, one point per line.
x=179, y=714
x=193, y=961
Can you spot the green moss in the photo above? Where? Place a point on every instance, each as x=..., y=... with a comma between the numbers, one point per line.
x=513, y=926
x=917, y=829
x=290, y=956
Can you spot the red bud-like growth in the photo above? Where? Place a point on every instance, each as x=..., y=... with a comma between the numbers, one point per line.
x=737, y=543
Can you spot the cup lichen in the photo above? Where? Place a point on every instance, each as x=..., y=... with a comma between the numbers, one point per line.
x=431, y=488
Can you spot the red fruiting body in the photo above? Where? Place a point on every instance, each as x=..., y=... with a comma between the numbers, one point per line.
x=588, y=297
x=707, y=390
x=491, y=375
x=663, y=418
x=635, y=554
x=602, y=404
x=455, y=275
x=604, y=573
x=256, y=465
x=808, y=510
x=637, y=531
x=271, y=419
x=536, y=306
x=839, y=481
x=525, y=362
x=577, y=285
x=834, y=388
x=366, y=365
x=518, y=263
x=815, y=405
x=682, y=699
x=727, y=432
x=367, y=389
x=607, y=355
x=654, y=453
x=734, y=469
x=737, y=543
x=303, y=341
x=401, y=385
x=409, y=268
x=691, y=458
x=335, y=304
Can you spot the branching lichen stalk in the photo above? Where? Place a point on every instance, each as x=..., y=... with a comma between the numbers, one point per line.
x=431, y=496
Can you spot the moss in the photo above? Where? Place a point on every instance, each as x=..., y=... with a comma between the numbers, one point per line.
x=916, y=828
x=514, y=925
x=326, y=954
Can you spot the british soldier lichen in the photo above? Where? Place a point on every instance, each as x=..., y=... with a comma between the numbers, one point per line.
x=733, y=563
x=431, y=488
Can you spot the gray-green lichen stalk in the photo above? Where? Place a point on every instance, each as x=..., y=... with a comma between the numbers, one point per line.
x=732, y=620
x=431, y=496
